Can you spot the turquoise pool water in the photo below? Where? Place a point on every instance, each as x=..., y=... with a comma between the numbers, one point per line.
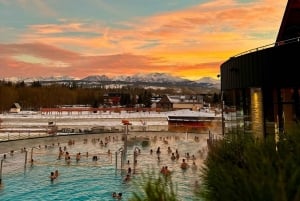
x=96, y=180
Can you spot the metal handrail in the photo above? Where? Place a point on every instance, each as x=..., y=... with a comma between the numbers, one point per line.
x=279, y=43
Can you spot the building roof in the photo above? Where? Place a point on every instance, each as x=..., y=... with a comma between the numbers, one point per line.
x=16, y=105
x=173, y=99
x=290, y=25
x=182, y=99
x=190, y=113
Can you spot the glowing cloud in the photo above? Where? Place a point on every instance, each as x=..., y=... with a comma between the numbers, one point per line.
x=189, y=41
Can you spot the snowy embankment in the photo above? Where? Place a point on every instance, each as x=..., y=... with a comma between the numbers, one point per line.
x=32, y=124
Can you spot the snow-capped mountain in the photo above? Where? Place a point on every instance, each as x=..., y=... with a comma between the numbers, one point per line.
x=96, y=78
x=208, y=80
x=151, y=78
x=45, y=79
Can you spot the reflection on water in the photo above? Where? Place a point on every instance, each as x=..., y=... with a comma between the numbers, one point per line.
x=86, y=179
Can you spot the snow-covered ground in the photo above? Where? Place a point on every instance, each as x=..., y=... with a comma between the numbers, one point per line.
x=31, y=124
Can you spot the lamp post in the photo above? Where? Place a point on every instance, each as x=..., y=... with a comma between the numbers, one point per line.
x=222, y=107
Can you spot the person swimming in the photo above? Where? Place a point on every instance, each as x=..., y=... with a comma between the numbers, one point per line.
x=127, y=178
x=95, y=158
x=117, y=196
x=56, y=174
x=184, y=165
x=52, y=176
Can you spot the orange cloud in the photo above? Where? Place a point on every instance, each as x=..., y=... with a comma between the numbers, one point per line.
x=190, y=43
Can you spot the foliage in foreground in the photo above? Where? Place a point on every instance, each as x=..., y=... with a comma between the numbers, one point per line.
x=241, y=168
x=154, y=187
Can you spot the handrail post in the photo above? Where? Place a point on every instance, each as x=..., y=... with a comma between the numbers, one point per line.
x=122, y=152
x=1, y=171
x=116, y=160
x=125, y=144
x=31, y=154
x=134, y=159
x=25, y=159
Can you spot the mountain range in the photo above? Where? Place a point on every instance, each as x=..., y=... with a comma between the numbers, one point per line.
x=149, y=79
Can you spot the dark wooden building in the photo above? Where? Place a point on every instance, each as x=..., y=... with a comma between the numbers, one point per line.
x=261, y=87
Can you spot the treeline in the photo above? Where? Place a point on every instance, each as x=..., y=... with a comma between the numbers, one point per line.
x=35, y=96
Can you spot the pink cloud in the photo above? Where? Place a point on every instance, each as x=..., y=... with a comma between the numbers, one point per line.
x=189, y=42
x=78, y=65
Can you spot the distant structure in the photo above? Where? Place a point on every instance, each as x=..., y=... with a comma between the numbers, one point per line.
x=15, y=108
x=111, y=99
x=177, y=102
x=261, y=87
x=195, y=121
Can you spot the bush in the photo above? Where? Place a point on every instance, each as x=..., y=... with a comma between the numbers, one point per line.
x=241, y=168
x=154, y=187
x=238, y=168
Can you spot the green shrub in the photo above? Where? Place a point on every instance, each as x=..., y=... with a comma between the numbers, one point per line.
x=154, y=187
x=240, y=168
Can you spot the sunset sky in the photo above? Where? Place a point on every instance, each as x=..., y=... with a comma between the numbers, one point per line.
x=77, y=38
